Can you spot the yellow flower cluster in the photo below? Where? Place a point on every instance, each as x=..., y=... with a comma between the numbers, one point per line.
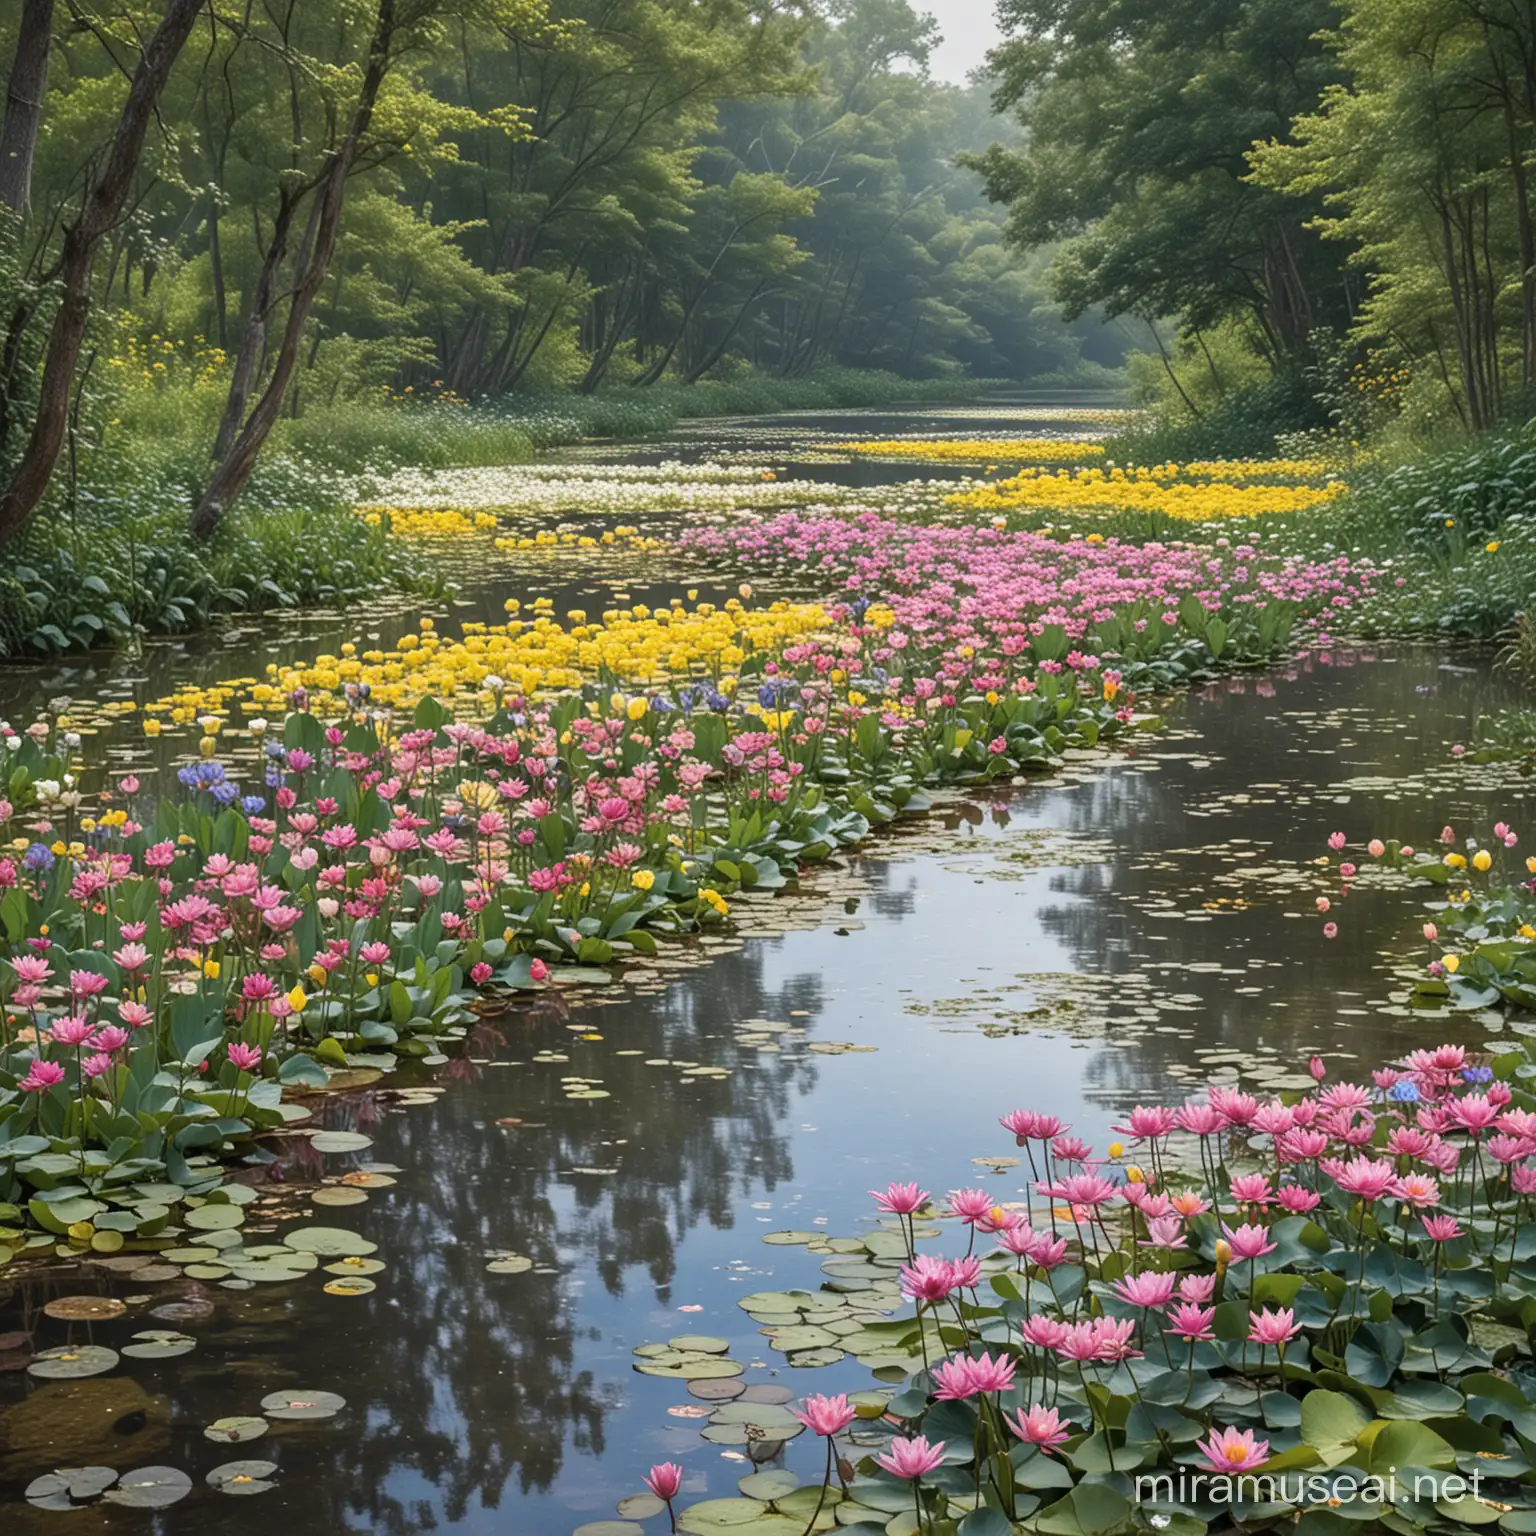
x=637, y=645
x=1014, y=450
x=1098, y=490
x=461, y=522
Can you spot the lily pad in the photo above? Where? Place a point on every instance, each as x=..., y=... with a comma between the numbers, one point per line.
x=68, y=1487
x=215, y=1218
x=84, y=1309
x=160, y=1344
x=641, y=1506
x=744, y=1517
x=242, y=1477
x=352, y=1285
x=329, y=1242
x=768, y=1486
x=302, y=1405
x=340, y=1141
x=699, y=1343
x=71, y=1363
x=717, y=1389
x=513, y=1264
x=236, y=1431
x=609, y=1528
x=338, y=1195
x=150, y=1488
x=679, y=1365
x=355, y=1267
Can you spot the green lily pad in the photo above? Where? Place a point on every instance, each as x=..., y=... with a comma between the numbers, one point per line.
x=236, y=1431
x=302, y=1405
x=213, y=1218
x=811, y=1359
x=353, y=1267
x=160, y=1344
x=789, y=1239
x=68, y=1487
x=641, y=1506
x=242, y=1477
x=207, y=1271
x=351, y=1285
x=199, y=1254
x=339, y=1195
x=329, y=1242
x=792, y=1340
x=743, y=1423
x=699, y=1343
x=340, y=1141
x=513, y=1264
x=678, y=1365
x=744, y=1517
x=609, y=1528
x=72, y=1362
x=768, y=1486
x=150, y=1488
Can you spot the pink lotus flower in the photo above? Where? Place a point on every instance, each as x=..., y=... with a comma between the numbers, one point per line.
x=71, y=1031
x=1318, y=1068
x=1230, y=1451
x=911, y=1459
x=1418, y=1190
x=245, y=1057
x=1266, y=1327
x=826, y=1415
x=664, y=1480
x=1146, y=1124
x=480, y=973
x=1190, y=1321
x=1043, y=1332
x=901, y=1199
x=1368, y=1179
x=1248, y=1242
x=1251, y=1189
x=96, y=1065
x=1038, y=1426
x=1296, y=1200
x=963, y=1377
x=1032, y=1125
x=928, y=1278
x=1441, y=1229
x=41, y=1076
x=1201, y=1119
x=1148, y=1289
x=539, y=972
x=1197, y=1287
x=969, y=1205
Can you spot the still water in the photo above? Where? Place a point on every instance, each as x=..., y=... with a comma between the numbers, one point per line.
x=1111, y=935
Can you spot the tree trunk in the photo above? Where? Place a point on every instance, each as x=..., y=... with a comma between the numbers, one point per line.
x=314, y=262
x=24, y=103
x=103, y=206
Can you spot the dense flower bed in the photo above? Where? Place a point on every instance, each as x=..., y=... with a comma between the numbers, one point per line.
x=1014, y=450
x=1309, y=1313
x=1199, y=492
x=1480, y=936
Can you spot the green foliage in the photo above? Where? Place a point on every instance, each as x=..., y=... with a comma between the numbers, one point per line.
x=1240, y=424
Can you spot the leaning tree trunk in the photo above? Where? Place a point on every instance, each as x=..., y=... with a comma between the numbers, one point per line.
x=24, y=103
x=230, y=478
x=103, y=206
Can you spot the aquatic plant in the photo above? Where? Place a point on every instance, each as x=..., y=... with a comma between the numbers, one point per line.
x=1279, y=1310
x=1013, y=450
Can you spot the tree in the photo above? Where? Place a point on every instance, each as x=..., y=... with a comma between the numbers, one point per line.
x=103, y=207
x=24, y=103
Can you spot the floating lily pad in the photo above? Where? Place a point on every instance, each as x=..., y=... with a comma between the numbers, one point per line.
x=208, y=1271
x=641, y=1506
x=746, y=1517
x=513, y=1264
x=236, y=1431
x=699, y=1343
x=242, y=1477
x=215, y=1218
x=609, y=1528
x=339, y=1195
x=340, y=1141
x=770, y=1485
x=329, y=1242
x=200, y=1253
x=810, y=1359
x=767, y=1392
x=68, y=1487
x=681, y=1366
x=302, y=1405
x=718, y=1389
x=789, y=1239
x=154, y=1274
x=366, y=1180
x=792, y=1340
x=72, y=1363
x=150, y=1488
x=352, y=1285
x=354, y=1267
x=84, y=1309
x=160, y=1344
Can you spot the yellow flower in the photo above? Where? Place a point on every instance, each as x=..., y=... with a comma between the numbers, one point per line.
x=636, y=709
x=1223, y=1256
x=152, y=727
x=1134, y=1175
x=1492, y=546
x=643, y=879
x=1482, y=859
x=1117, y=1149
x=211, y=969
x=297, y=999
x=1452, y=963
x=1455, y=861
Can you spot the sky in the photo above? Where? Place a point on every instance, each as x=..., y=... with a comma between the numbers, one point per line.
x=969, y=29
